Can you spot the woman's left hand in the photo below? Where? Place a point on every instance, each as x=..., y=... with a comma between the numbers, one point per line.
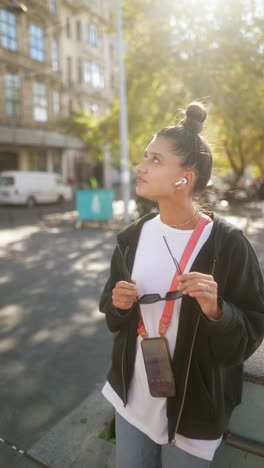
x=204, y=289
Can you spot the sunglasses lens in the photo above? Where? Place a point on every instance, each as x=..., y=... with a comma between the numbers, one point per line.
x=172, y=295
x=149, y=298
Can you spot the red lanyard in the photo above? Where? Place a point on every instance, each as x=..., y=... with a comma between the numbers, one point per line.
x=169, y=305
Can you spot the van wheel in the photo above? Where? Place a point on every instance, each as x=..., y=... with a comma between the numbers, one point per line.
x=31, y=202
x=61, y=199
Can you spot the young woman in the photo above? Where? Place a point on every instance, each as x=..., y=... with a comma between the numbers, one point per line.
x=192, y=282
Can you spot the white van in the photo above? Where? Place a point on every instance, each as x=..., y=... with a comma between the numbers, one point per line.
x=30, y=188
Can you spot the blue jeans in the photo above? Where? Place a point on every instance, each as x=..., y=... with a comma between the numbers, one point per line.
x=134, y=449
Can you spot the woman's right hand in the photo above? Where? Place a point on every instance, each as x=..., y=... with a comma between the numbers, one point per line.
x=124, y=294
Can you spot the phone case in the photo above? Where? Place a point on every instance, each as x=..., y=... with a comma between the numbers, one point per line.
x=158, y=367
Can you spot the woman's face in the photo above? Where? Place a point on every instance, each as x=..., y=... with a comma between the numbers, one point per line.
x=158, y=172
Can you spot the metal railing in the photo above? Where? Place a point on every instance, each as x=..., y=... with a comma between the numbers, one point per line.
x=245, y=444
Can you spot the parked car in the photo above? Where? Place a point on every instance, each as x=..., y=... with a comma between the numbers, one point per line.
x=31, y=188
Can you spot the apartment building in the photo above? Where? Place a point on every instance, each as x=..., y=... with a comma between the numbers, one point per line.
x=54, y=59
x=86, y=64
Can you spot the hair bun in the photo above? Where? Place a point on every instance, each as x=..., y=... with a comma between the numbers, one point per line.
x=195, y=115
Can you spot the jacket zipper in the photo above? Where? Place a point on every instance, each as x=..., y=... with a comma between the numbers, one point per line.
x=213, y=268
x=128, y=278
x=173, y=441
x=123, y=374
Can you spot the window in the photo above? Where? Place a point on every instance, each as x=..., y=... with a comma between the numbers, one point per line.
x=87, y=34
x=12, y=85
x=38, y=160
x=40, y=102
x=54, y=55
x=68, y=28
x=7, y=181
x=93, y=34
x=87, y=72
x=78, y=30
x=69, y=70
x=52, y=6
x=36, y=42
x=8, y=30
x=93, y=74
x=8, y=161
x=56, y=102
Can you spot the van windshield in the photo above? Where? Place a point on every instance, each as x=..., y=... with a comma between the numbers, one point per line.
x=6, y=181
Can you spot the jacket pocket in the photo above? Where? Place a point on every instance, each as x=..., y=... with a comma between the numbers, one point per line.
x=233, y=386
x=199, y=402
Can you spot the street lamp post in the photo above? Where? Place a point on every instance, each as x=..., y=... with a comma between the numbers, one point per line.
x=125, y=174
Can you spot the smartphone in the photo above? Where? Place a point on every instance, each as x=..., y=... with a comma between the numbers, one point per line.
x=158, y=367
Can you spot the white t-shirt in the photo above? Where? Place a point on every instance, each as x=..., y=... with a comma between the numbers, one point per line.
x=153, y=271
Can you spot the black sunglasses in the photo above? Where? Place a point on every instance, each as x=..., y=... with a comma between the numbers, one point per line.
x=154, y=297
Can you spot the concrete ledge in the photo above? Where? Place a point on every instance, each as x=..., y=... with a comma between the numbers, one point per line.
x=74, y=441
x=247, y=422
x=229, y=457
x=254, y=366
x=247, y=419
x=96, y=453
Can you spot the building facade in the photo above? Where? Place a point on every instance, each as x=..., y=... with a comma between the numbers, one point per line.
x=54, y=59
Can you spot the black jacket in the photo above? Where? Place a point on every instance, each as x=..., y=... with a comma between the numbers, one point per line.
x=209, y=355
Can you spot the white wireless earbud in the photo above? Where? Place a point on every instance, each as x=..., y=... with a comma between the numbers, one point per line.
x=182, y=181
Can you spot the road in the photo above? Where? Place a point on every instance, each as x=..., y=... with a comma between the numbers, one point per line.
x=53, y=341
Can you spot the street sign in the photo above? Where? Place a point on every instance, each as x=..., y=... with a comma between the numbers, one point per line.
x=94, y=204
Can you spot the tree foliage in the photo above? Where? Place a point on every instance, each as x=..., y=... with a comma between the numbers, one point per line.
x=223, y=58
